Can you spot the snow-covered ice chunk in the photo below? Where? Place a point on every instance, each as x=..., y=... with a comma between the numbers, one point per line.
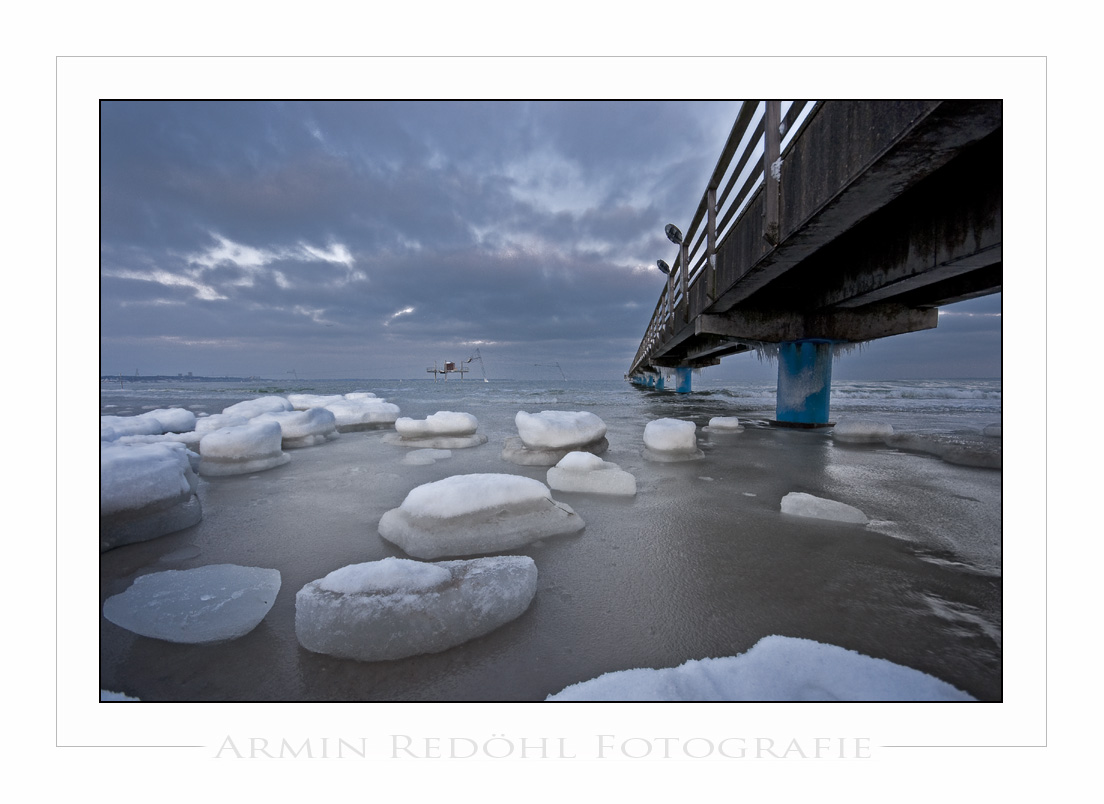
x=205, y=604
x=798, y=503
x=425, y=457
x=146, y=491
x=582, y=471
x=557, y=429
x=478, y=513
x=173, y=420
x=360, y=395
x=725, y=424
x=396, y=607
x=777, y=668
x=251, y=447
x=303, y=428
x=441, y=423
x=545, y=438
x=443, y=430
x=152, y=422
x=307, y=401
x=861, y=431
x=671, y=440
x=251, y=408
x=189, y=439
x=362, y=413
x=208, y=424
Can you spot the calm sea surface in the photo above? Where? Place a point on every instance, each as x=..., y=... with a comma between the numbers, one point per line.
x=700, y=563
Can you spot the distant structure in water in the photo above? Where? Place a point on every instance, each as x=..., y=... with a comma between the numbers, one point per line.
x=451, y=368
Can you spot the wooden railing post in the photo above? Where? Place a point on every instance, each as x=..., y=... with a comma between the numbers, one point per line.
x=772, y=139
x=684, y=258
x=711, y=239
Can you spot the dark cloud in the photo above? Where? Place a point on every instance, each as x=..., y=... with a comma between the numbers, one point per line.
x=369, y=239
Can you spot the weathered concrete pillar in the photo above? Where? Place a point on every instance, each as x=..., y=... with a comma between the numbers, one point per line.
x=682, y=380
x=659, y=381
x=804, y=382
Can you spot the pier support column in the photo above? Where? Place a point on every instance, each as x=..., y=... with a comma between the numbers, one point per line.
x=804, y=383
x=659, y=381
x=682, y=380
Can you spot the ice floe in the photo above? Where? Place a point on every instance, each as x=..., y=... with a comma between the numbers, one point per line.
x=303, y=428
x=798, y=503
x=582, y=471
x=992, y=430
x=152, y=422
x=251, y=408
x=146, y=491
x=361, y=411
x=208, y=424
x=251, y=447
x=668, y=440
x=307, y=401
x=445, y=429
x=477, y=513
x=777, y=668
x=390, y=609
x=724, y=424
x=545, y=438
x=861, y=431
x=206, y=604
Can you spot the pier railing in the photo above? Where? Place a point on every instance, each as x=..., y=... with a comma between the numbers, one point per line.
x=748, y=162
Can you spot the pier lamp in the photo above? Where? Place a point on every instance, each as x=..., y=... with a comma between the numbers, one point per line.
x=673, y=234
x=664, y=267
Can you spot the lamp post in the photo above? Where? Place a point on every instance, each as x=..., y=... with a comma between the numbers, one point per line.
x=675, y=236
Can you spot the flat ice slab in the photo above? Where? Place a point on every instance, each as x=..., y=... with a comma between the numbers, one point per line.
x=798, y=503
x=861, y=431
x=557, y=429
x=250, y=447
x=671, y=440
x=584, y=472
x=205, y=604
x=964, y=449
x=777, y=668
x=396, y=607
x=477, y=513
x=425, y=457
x=146, y=491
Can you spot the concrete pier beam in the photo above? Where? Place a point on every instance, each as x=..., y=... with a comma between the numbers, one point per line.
x=804, y=383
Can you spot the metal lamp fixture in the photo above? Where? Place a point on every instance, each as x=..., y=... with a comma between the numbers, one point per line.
x=664, y=267
x=673, y=234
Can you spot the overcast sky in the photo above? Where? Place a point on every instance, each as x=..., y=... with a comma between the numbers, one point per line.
x=368, y=240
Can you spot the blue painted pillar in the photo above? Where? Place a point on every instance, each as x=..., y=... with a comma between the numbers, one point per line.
x=659, y=381
x=804, y=382
x=682, y=380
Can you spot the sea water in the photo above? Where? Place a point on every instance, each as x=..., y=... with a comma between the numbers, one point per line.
x=700, y=563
